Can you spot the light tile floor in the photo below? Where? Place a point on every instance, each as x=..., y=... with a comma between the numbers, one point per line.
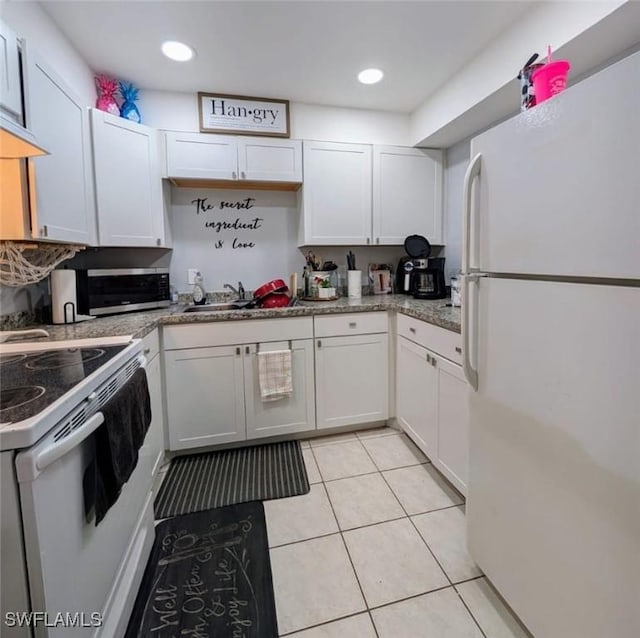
x=377, y=548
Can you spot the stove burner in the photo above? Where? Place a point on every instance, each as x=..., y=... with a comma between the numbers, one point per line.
x=16, y=397
x=63, y=358
x=8, y=358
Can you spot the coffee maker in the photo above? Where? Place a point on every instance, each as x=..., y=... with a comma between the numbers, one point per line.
x=418, y=275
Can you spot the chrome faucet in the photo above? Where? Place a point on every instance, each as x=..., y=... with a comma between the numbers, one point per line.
x=239, y=292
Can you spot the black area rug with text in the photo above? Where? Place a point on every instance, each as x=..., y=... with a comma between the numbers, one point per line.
x=209, y=575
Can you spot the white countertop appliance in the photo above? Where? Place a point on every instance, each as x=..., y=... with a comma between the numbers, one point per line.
x=551, y=334
x=54, y=560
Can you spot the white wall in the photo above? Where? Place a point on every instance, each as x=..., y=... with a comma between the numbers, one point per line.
x=179, y=111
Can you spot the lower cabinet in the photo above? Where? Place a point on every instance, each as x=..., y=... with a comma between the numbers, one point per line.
x=213, y=393
x=352, y=380
x=432, y=407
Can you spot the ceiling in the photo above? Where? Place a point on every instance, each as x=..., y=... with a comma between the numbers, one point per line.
x=304, y=51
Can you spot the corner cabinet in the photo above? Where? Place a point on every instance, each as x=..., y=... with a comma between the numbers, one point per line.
x=128, y=185
x=10, y=88
x=336, y=196
x=232, y=161
x=63, y=179
x=432, y=396
x=407, y=194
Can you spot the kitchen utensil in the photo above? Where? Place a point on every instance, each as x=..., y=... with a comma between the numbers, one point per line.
x=275, y=300
x=351, y=261
x=328, y=266
x=275, y=285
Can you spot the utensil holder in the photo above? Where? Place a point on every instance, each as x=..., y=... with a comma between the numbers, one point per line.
x=354, y=284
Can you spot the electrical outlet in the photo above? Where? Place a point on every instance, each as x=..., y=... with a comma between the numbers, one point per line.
x=192, y=273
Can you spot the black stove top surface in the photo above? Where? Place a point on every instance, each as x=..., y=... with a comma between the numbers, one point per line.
x=29, y=382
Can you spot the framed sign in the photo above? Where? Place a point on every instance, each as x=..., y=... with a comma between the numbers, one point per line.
x=243, y=115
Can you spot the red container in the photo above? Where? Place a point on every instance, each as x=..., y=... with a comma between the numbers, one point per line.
x=550, y=79
x=275, y=300
x=275, y=285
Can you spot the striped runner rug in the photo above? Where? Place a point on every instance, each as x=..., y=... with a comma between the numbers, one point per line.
x=214, y=479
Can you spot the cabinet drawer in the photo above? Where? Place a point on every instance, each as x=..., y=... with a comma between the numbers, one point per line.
x=444, y=342
x=353, y=323
x=151, y=345
x=221, y=333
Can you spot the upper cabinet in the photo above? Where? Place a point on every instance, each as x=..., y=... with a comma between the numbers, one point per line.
x=233, y=161
x=407, y=194
x=10, y=90
x=63, y=180
x=358, y=194
x=336, y=199
x=127, y=182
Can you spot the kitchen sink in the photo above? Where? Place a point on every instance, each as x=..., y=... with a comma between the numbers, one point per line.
x=212, y=307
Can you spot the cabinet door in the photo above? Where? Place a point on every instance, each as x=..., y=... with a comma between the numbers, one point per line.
x=155, y=436
x=352, y=380
x=201, y=155
x=267, y=160
x=453, y=423
x=336, y=193
x=292, y=414
x=10, y=89
x=63, y=179
x=205, y=396
x=407, y=194
x=128, y=184
x=417, y=396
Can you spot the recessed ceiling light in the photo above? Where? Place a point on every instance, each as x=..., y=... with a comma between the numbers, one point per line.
x=370, y=76
x=177, y=51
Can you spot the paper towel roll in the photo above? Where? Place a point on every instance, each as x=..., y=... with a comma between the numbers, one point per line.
x=63, y=291
x=354, y=284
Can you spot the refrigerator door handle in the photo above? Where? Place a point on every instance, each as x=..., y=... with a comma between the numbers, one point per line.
x=468, y=344
x=473, y=171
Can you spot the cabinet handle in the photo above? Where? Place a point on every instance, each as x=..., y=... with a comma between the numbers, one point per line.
x=147, y=350
x=413, y=330
x=44, y=231
x=433, y=361
x=458, y=350
x=319, y=343
x=246, y=349
x=234, y=175
x=377, y=240
x=243, y=175
x=158, y=242
x=368, y=240
x=428, y=358
x=238, y=350
x=352, y=324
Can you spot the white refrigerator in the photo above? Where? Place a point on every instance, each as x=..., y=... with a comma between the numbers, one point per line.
x=551, y=333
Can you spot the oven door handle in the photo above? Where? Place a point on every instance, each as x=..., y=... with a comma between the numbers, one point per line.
x=52, y=454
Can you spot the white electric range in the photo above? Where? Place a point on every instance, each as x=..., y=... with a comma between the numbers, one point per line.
x=73, y=577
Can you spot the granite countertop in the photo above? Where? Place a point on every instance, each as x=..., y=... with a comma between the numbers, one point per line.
x=140, y=324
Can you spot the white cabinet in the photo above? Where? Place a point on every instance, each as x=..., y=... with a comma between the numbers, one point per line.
x=432, y=396
x=417, y=396
x=245, y=160
x=10, y=87
x=63, y=179
x=154, y=441
x=352, y=371
x=284, y=416
x=407, y=194
x=336, y=198
x=213, y=391
x=205, y=396
x=127, y=181
x=362, y=194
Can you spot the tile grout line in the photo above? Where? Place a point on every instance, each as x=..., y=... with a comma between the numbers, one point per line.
x=432, y=554
x=346, y=549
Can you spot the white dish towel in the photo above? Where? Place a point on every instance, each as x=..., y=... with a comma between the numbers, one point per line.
x=274, y=372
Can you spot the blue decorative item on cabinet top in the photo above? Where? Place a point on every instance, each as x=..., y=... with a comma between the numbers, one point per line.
x=128, y=109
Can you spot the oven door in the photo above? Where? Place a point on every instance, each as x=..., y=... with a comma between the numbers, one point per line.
x=90, y=574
